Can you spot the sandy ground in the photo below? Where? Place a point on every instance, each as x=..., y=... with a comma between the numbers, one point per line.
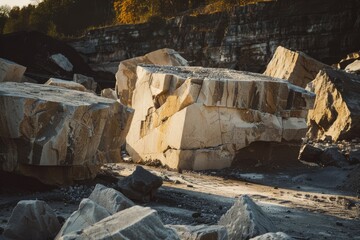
x=306, y=203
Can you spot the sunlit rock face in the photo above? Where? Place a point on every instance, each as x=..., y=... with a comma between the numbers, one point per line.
x=126, y=74
x=296, y=67
x=58, y=135
x=198, y=118
x=336, y=111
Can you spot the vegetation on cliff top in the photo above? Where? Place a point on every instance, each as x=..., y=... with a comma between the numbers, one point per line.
x=73, y=17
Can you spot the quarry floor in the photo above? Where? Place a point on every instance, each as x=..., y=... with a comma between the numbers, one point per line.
x=306, y=202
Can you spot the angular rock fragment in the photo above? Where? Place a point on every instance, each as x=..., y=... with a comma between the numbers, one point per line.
x=32, y=219
x=11, y=71
x=309, y=153
x=246, y=220
x=354, y=156
x=140, y=185
x=65, y=84
x=333, y=157
x=62, y=62
x=201, y=232
x=88, y=82
x=353, y=67
x=126, y=76
x=68, y=133
x=273, y=236
x=296, y=67
x=336, y=112
x=112, y=200
x=132, y=223
x=199, y=118
x=109, y=93
x=89, y=213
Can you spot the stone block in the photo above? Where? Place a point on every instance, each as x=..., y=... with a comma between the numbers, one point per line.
x=11, y=71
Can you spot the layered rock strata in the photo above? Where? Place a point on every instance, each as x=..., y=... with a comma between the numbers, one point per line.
x=199, y=118
x=336, y=111
x=58, y=135
x=126, y=74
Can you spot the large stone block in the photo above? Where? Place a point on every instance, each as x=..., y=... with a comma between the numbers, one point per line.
x=58, y=129
x=132, y=223
x=336, y=111
x=199, y=118
x=126, y=76
x=10, y=71
x=297, y=67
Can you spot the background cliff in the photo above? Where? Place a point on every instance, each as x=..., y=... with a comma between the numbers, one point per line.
x=244, y=38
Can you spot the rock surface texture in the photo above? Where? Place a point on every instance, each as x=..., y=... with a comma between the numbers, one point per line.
x=336, y=111
x=201, y=232
x=126, y=75
x=68, y=133
x=244, y=38
x=273, y=236
x=198, y=118
x=296, y=67
x=32, y=219
x=65, y=84
x=11, y=71
x=132, y=223
x=246, y=220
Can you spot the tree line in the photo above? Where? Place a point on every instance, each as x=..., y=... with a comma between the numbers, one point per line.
x=62, y=18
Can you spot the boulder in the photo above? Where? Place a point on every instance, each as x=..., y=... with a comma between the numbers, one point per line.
x=309, y=153
x=58, y=135
x=65, y=84
x=32, y=219
x=200, y=232
x=132, y=223
x=141, y=185
x=88, y=82
x=109, y=93
x=199, y=118
x=336, y=112
x=11, y=71
x=89, y=213
x=246, y=220
x=62, y=62
x=294, y=66
x=112, y=200
x=273, y=236
x=126, y=75
x=333, y=157
x=353, y=67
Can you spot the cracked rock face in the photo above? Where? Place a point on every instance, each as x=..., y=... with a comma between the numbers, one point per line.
x=296, y=67
x=198, y=118
x=126, y=74
x=336, y=111
x=68, y=133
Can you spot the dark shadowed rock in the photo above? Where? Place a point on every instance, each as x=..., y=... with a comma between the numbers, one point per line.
x=309, y=153
x=140, y=185
x=32, y=219
x=112, y=200
x=132, y=223
x=201, y=232
x=245, y=220
x=333, y=157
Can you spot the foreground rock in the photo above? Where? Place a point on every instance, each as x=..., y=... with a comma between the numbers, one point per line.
x=132, y=223
x=11, y=71
x=58, y=135
x=126, y=76
x=88, y=82
x=296, y=67
x=336, y=111
x=273, y=236
x=32, y=219
x=201, y=232
x=112, y=200
x=140, y=185
x=199, y=118
x=65, y=84
x=89, y=213
x=246, y=220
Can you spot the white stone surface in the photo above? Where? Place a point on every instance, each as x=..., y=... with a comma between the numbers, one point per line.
x=62, y=62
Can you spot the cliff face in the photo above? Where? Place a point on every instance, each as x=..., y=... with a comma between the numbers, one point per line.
x=242, y=39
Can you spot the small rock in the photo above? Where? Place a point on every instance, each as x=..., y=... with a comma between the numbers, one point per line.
x=273, y=236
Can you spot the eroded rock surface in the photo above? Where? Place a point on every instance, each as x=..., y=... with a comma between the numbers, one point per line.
x=297, y=67
x=336, y=112
x=32, y=219
x=65, y=84
x=201, y=232
x=126, y=75
x=68, y=133
x=198, y=118
x=11, y=71
x=132, y=223
x=246, y=220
